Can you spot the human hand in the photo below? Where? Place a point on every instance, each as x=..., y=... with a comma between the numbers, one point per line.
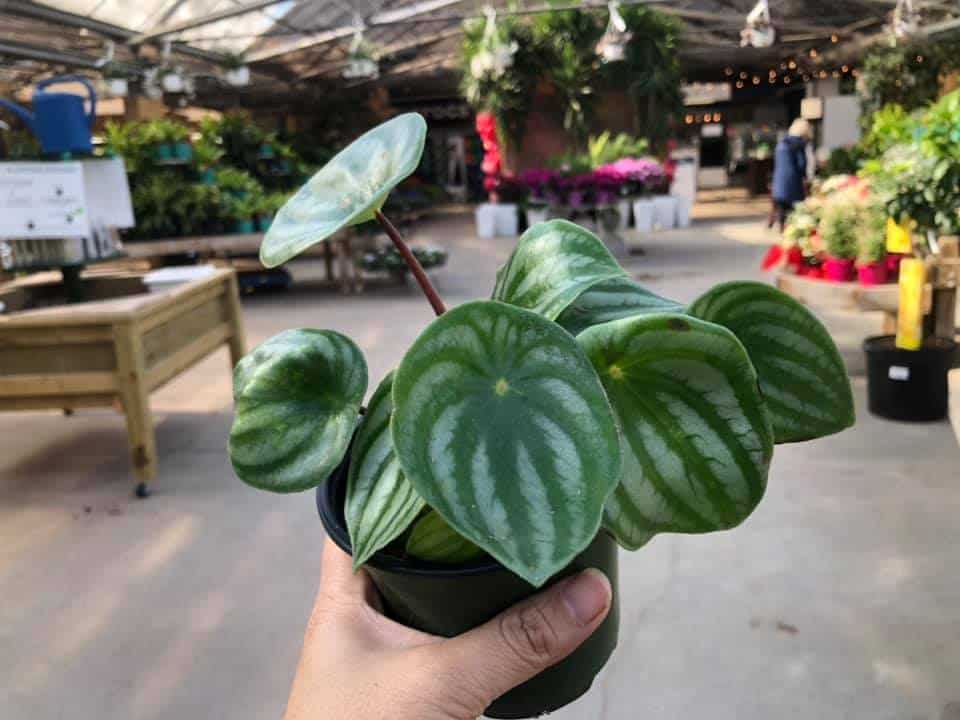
x=357, y=664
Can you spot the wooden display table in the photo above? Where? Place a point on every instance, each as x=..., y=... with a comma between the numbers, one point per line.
x=827, y=295
x=115, y=352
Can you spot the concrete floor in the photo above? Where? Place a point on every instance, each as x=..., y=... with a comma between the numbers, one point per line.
x=839, y=598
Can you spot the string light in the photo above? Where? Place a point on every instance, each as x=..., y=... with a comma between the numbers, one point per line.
x=787, y=80
x=728, y=71
x=919, y=58
x=792, y=64
x=834, y=38
x=743, y=75
x=813, y=52
x=835, y=74
x=756, y=80
x=845, y=68
x=739, y=84
x=688, y=119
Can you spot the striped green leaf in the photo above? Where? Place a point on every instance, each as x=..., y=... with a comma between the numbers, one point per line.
x=696, y=441
x=552, y=264
x=296, y=400
x=348, y=189
x=612, y=300
x=802, y=377
x=381, y=502
x=434, y=540
x=502, y=426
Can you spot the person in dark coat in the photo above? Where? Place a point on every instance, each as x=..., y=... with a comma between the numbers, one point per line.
x=790, y=171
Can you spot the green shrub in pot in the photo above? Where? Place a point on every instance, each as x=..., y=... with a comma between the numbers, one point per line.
x=571, y=406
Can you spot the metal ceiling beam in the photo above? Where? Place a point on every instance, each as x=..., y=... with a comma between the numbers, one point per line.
x=387, y=50
x=60, y=57
x=202, y=20
x=36, y=11
x=388, y=17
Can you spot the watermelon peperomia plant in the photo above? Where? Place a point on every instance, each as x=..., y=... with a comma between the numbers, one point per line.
x=518, y=426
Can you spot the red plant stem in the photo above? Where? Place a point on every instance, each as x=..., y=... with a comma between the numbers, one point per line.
x=410, y=259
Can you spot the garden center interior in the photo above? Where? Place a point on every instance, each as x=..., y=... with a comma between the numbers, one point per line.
x=151, y=159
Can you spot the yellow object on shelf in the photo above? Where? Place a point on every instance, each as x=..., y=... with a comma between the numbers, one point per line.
x=913, y=277
x=898, y=237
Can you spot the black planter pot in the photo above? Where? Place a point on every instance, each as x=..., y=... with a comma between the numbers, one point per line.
x=448, y=600
x=908, y=385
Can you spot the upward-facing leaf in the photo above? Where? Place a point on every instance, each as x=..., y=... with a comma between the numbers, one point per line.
x=348, y=189
x=612, y=300
x=802, y=376
x=502, y=426
x=296, y=400
x=381, y=502
x=696, y=441
x=552, y=264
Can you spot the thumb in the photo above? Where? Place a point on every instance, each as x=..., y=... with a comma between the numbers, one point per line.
x=528, y=638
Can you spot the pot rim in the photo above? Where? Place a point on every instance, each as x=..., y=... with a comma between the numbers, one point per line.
x=331, y=495
x=887, y=343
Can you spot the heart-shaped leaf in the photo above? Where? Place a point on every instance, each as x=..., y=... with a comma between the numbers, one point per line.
x=696, y=441
x=296, y=400
x=434, y=540
x=348, y=190
x=552, y=264
x=802, y=377
x=381, y=502
x=612, y=300
x=502, y=426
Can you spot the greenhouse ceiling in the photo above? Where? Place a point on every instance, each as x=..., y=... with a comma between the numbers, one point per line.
x=296, y=40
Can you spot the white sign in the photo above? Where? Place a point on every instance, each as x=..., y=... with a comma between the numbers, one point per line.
x=706, y=93
x=108, y=193
x=898, y=372
x=42, y=200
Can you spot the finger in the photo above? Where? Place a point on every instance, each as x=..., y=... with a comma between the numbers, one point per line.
x=527, y=638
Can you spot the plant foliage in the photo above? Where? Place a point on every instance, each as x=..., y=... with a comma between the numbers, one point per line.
x=575, y=397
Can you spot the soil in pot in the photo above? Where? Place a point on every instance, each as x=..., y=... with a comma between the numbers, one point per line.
x=448, y=600
x=908, y=385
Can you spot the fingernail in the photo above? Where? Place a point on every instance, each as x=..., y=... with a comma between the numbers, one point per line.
x=587, y=595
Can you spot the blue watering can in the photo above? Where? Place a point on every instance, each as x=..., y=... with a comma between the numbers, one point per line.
x=58, y=119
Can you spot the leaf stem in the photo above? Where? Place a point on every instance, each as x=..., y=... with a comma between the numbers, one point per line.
x=410, y=259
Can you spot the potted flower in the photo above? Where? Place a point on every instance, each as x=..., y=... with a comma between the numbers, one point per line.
x=523, y=437
x=839, y=228
x=872, y=245
x=541, y=185
x=642, y=176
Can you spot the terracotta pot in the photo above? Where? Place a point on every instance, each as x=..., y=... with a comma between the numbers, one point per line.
x=872, y=273
x=838, y=269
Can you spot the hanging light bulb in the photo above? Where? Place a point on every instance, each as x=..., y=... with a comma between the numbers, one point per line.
x=612, y=47
x=759, y=31
x=360, y=62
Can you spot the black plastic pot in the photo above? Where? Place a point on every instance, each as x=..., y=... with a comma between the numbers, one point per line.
x=448, y=600
x=908, y=385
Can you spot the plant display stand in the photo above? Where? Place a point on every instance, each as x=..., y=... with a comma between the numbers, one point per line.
x=115, y=352
x=825, y=295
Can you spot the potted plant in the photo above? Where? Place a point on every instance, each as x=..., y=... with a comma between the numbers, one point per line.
x=838, y=228
x=872, y=246
x=171, y=80
x=206, y=155
x=236, y=72
x=116, y=79
x=641, y=177
x=242, y=211
x=178, y=135
x=523, y=437
x=919, y=181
